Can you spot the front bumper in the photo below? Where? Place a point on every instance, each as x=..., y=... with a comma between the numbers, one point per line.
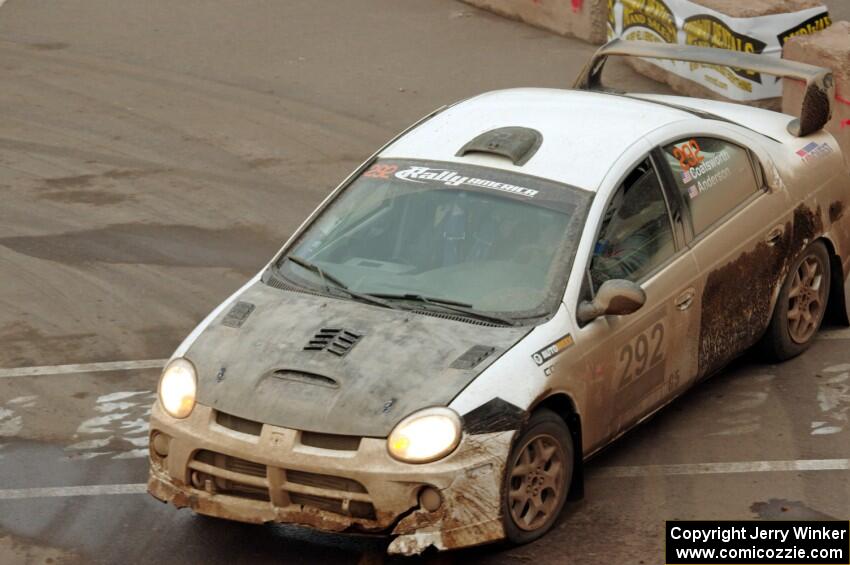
x=228, y=468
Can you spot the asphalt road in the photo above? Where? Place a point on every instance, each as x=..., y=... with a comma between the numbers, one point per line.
x=153, y=155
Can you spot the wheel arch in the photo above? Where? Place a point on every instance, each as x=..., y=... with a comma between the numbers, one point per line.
x=836, y=305
x=564, y=406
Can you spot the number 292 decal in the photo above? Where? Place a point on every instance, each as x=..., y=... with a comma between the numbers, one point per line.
x=641, y=354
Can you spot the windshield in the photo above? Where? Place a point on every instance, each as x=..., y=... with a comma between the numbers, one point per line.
x=488, y=239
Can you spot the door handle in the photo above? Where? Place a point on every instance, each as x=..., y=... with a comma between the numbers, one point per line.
x=684, y=300
x=774, y=235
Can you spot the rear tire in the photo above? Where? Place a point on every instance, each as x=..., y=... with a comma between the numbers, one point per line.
x=801, y=305
x=538, y=475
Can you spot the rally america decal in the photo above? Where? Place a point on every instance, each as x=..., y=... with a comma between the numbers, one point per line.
x=453, y=178
x=553, y=350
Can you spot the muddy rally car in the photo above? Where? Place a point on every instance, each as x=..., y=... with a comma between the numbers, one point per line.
x=496, y=295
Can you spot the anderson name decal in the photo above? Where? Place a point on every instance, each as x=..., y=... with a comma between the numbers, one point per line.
x=711, y=168
x=453, y=178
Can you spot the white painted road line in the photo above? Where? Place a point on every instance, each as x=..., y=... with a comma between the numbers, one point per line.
x=843, y=333
x=83, y=368
x=53, y=492
x=603, y=473
x=722, y=468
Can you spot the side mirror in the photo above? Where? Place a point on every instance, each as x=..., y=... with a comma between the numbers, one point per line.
x=616, y=297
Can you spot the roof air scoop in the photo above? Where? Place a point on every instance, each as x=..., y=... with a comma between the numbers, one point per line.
x=516, y=143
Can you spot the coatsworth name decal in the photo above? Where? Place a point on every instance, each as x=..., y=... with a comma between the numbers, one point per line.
x=553, y=349
x=452, y=178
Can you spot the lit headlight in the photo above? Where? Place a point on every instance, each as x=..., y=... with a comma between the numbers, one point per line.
x=425, y=436
x=177, y=388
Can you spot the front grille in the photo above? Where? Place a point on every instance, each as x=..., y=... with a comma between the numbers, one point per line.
x=240, y=478
x=246, y=467
x=247, y=491
x=324, y=481
x=356, y=508
x=238, y=424
x=224, y=474
x=330, y=441
x=229, y=463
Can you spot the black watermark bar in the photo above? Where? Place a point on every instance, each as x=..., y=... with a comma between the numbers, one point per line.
x=758, y=543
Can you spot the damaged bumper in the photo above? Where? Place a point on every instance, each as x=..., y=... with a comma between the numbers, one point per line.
x=231, y=468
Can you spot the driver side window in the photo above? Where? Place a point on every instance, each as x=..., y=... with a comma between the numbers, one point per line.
x=636, y=235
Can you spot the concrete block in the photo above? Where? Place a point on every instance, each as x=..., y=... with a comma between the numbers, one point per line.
x=831, y=49
x=584, y=19
x=755, y=8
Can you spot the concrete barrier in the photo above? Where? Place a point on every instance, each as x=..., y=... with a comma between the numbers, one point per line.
x=756, y=8
x=829, y=48
x=584, y=19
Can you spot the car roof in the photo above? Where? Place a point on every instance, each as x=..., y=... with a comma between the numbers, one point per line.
x=583, y=132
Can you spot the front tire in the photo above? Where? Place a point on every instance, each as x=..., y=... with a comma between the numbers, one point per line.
x=538, y=474
x=801, y=305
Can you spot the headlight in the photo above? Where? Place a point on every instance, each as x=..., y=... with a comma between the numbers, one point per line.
x=425, y=436
x=177, y=388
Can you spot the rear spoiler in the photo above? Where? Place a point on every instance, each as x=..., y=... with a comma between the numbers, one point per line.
x=816, y=111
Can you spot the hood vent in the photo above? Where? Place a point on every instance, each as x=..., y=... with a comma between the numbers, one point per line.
x=333, y=340
x=516, y=143
x=238, y=314
x=305, y=378
x=474, y=355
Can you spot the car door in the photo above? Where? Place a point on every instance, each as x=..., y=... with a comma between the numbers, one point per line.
x=739, y=233
x=641, y=360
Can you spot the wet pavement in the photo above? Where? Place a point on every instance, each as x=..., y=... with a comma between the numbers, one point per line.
x=154, y=155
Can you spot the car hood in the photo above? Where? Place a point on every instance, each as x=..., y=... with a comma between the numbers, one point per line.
x=252, y=361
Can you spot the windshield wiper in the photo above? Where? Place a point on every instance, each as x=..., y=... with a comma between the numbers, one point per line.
x=327, y=277
x=453, y=305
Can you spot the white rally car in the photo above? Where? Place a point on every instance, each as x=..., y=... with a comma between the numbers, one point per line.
x=497, y=294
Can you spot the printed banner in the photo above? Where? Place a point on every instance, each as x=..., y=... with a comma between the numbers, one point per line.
x=684, y=22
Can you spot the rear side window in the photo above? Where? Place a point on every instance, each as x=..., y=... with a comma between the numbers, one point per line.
x=714, y=177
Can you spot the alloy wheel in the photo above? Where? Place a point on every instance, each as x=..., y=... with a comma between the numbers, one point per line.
x=806, y=300
x=537, y=482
